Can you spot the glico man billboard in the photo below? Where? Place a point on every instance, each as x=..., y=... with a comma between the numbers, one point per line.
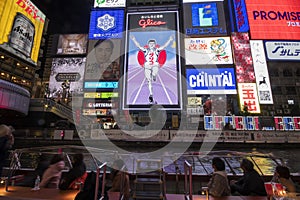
x=21, y=28
x=274, y=19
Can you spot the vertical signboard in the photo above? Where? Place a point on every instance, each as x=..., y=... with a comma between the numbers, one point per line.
x=21, y=29
x=261, y=72
x=241, y=17
x=203, y=51
x=106, y=24
x=152, y=65
x=248, y=97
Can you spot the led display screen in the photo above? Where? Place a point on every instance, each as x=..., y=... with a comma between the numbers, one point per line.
x=152, y=64
x=21, y=29
x=101, y=95
x=211, y=81
x=66, y=76
x=204, y=19
x=203, y=51
x=103, y=60
x=100, y=85
x=72, y=44
x=106, y=24
x=274, y=19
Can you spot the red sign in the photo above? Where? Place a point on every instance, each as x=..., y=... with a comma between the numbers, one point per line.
x=274, y=19
x=149, y=22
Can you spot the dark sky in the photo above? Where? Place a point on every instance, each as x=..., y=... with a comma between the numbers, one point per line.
x=66, y=16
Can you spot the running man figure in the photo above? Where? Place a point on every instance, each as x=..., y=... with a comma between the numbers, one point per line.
x=151, y=63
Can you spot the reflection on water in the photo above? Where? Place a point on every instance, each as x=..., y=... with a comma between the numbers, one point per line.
x=265, y=159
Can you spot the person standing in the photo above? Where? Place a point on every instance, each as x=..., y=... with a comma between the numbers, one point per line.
x=251, y=184
x=218, y=184
x=151, y=62
x=6, y=143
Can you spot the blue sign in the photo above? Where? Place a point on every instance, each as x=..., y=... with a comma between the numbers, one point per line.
x=205, y=14
x=101, y=85
x=211, y=81
x=241, y=16
x=106, y=24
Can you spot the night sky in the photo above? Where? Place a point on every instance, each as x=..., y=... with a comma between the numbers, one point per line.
x=66, y=16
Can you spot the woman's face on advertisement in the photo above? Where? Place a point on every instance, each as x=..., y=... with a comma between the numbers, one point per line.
x=103, y=52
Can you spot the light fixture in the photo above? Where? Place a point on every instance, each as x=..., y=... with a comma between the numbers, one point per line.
x=2, y=73
x=18, y=64
x=2, y=57
x=26, y=67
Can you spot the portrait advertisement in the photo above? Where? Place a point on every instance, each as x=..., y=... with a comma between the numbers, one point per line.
x=103, y=60
x=152, y=63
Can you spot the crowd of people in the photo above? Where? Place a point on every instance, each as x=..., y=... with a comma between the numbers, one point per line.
x=250, y=184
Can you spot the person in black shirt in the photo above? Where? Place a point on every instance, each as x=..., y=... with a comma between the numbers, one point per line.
x=251, y=184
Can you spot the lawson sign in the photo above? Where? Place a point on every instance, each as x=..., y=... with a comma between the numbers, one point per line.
x=211, y=81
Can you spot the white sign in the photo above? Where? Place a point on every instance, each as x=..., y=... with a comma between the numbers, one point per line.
x=109, y=3
x=283, y=50
x=261, y=72
x=203, y=51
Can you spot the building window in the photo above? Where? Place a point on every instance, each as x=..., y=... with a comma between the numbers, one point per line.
x=298, y=72
x=287, y=72
x=276, y=90
x=273, y=72
x=291, y=90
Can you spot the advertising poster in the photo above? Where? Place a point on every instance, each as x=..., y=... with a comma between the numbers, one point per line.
x=261, y=72
x=109, y=3
x=248, y=97
x=274, y=19
x=21, y=29
x=72, y=44
x=66, y=77
x=204, y=19
x=203, y=51
x=106, y=24
x=211, y=81
x=103, y=60
x=283, y=50
x=152, y=64
x=243, y=58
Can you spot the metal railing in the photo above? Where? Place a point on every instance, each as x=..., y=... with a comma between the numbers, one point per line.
x=101, y=167
x=188, y=181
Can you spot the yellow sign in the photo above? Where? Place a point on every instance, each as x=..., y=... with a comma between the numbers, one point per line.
x=107, y=95
x=92, y=95
x=21, y=28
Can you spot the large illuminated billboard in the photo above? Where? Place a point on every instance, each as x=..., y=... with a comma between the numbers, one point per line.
x=21, y=29
x=66, y=72
x=69, y=44
x=211, y=81
x=152, y=65
x=106, y=24
x=203, y=51
x=103, y=60
x=204, y=19
x=274, y=19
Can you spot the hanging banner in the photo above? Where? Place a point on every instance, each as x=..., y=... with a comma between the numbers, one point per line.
x=261, y=72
